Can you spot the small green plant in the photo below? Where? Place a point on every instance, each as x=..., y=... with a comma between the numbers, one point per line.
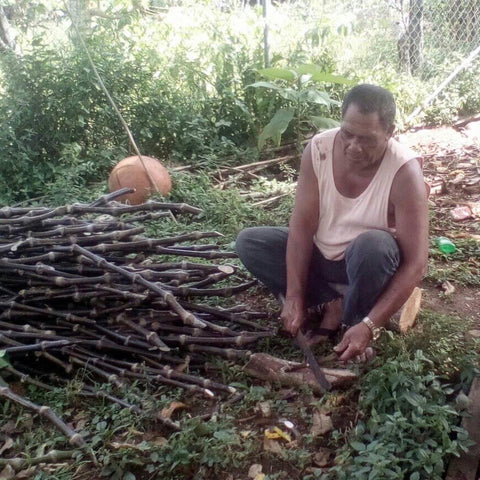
x=302, y=101
x=408, y=430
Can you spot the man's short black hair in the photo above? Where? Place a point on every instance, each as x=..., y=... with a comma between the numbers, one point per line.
x=372, y=98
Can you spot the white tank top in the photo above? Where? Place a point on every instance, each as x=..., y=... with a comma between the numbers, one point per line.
x=341, y=219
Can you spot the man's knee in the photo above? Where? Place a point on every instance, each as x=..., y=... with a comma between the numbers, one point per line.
x=375, y=248
x=258, y=243
x=244, y=241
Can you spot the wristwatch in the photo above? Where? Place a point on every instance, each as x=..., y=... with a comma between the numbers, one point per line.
x=373, y=328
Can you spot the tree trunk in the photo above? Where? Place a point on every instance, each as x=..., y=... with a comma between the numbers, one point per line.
x=7, y=36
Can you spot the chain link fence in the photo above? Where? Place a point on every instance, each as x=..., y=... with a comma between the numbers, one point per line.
x=433, y=32
x=423, y=37
x=413, y=46
x=429, y=40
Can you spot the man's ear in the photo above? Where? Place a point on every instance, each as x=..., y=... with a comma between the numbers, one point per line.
x=390, y=131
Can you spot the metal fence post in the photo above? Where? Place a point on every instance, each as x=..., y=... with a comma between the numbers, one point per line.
x=266, y=46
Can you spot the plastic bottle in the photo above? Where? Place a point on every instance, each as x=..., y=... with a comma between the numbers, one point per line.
x=445, y=245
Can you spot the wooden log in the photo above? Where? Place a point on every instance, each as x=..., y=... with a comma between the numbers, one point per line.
x=410, y=310
x=273, y=369
x=406, y=317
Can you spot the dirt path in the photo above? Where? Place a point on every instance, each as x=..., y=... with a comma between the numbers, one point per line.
x=452, y=167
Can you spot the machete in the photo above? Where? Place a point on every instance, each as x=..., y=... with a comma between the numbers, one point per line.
x=310, y=357
x=312, y=361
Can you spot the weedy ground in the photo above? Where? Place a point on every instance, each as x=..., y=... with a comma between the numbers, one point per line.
x=399, y=420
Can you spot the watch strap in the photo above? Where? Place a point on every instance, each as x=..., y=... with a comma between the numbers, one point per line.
x=373, y=328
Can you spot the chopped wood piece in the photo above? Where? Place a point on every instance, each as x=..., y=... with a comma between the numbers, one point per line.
x=410, y=310
x=285, y=372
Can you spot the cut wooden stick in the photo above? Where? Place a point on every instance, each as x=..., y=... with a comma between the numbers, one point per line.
x=75, y=438
x=92, y=293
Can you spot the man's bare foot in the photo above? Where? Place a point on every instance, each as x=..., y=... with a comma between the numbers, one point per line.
x=332, y=318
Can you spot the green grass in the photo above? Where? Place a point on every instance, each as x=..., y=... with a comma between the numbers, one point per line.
x=462, y=266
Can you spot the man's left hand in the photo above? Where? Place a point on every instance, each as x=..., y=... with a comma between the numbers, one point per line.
x=354, y=342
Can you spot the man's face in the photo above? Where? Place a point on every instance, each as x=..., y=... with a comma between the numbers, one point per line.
x=363, y=137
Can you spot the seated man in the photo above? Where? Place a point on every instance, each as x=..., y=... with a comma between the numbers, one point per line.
x=360, y=221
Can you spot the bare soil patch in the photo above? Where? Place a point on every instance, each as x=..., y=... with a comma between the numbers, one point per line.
x=464, y=302
x=452, y=167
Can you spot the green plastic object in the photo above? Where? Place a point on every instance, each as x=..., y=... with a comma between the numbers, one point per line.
x=445, y=245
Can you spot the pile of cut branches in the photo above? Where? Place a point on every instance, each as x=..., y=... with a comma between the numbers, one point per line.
x=82, y=288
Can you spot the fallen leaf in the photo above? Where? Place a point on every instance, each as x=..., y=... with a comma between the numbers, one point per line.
x=254, y=470
x=324, y=457
x=322, y=424
x=7, y=445
x=18, y=388
x=475, y=208
x=42, y=448
x=168, y=412
x=79, y=417
x=335, y=400
x=277, y=433
x=118, y=446
x=27, y=420
x=461, y=213
x=273, y=446
x=448, y=288
x=288, y=393
x=7, y=473
x=160, y=441
x=458, y=178
x=28, y=473
x=9, y=427
x=265, y=409
x=80, y=425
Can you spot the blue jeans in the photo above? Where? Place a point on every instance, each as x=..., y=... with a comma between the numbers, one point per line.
x=370, y=261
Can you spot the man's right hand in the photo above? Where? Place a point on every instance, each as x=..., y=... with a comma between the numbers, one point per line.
x=293, y=315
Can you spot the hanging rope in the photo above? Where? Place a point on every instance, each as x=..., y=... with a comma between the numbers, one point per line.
x=110, y=99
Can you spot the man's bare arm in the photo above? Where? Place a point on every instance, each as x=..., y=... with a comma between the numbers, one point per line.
x=303, y=225
x=409, y=199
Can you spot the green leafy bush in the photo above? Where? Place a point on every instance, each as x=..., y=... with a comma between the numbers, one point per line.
x=305, y=108
x=408, y=431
